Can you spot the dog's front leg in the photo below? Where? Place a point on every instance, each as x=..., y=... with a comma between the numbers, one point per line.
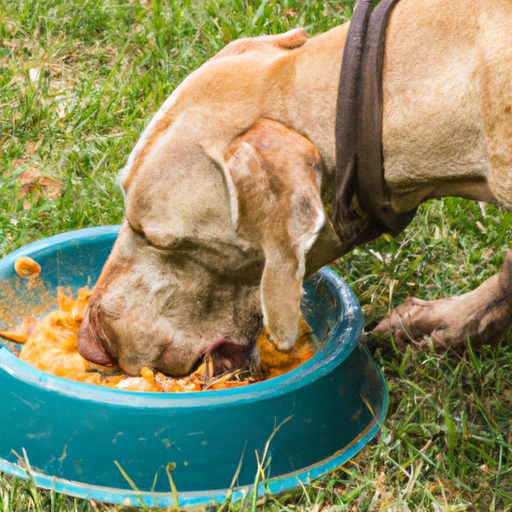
x=481, y=316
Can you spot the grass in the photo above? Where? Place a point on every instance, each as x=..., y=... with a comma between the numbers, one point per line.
x=78, y=82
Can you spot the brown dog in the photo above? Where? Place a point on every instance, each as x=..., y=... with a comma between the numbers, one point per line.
x=230, y=189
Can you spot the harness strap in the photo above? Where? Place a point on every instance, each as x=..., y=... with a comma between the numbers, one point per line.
x=363, y=209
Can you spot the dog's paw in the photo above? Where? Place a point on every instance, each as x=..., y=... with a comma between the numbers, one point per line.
x=406, y=323
x=450, y=322
x=445, y=321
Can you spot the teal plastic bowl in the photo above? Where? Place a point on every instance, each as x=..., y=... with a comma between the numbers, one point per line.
x=90, y=442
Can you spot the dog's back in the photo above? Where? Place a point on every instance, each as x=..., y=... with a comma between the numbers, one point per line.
x=448, y=100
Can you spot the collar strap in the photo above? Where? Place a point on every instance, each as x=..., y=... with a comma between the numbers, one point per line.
x=363, y=209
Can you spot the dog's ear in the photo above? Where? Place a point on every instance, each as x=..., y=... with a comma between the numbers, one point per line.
x=290, y=40
x=273, y=174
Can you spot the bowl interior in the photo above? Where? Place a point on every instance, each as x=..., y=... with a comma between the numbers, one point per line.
x=73, y=260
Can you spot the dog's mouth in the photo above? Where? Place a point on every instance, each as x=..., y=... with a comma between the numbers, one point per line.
x=105, y=339
x=221, y=356
x=224, y=356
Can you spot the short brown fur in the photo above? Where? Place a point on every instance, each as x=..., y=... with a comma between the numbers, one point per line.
x=218, y=248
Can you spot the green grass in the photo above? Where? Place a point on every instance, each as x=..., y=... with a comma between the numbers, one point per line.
x=105, y=66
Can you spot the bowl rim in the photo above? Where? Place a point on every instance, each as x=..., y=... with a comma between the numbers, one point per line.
x=302, y=376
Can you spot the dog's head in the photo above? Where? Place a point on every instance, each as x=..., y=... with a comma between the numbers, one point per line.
x=210, y=251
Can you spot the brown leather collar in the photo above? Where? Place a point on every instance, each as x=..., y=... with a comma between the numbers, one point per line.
x=363, y=209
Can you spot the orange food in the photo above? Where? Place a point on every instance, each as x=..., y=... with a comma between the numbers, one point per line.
x=21, y=334
x=274, y=363
x=26, y=267
x=51, y=345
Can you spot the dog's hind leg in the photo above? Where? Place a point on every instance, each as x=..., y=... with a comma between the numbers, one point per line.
x=482, y=316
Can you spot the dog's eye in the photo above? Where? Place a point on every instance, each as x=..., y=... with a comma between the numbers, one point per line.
x=139, y=233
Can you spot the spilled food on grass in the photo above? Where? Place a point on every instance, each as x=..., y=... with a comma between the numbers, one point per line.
x=50, y=344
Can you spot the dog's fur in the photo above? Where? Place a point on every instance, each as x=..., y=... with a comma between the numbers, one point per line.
x=230, y=188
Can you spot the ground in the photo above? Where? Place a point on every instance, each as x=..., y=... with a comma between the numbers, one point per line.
x=79, y=79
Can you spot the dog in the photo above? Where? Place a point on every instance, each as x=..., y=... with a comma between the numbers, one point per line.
x=229, y=192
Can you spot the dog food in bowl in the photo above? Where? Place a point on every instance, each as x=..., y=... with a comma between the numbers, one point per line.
x=51, y=345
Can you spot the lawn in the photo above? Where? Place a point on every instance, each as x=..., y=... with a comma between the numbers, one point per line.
x=79, y=80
